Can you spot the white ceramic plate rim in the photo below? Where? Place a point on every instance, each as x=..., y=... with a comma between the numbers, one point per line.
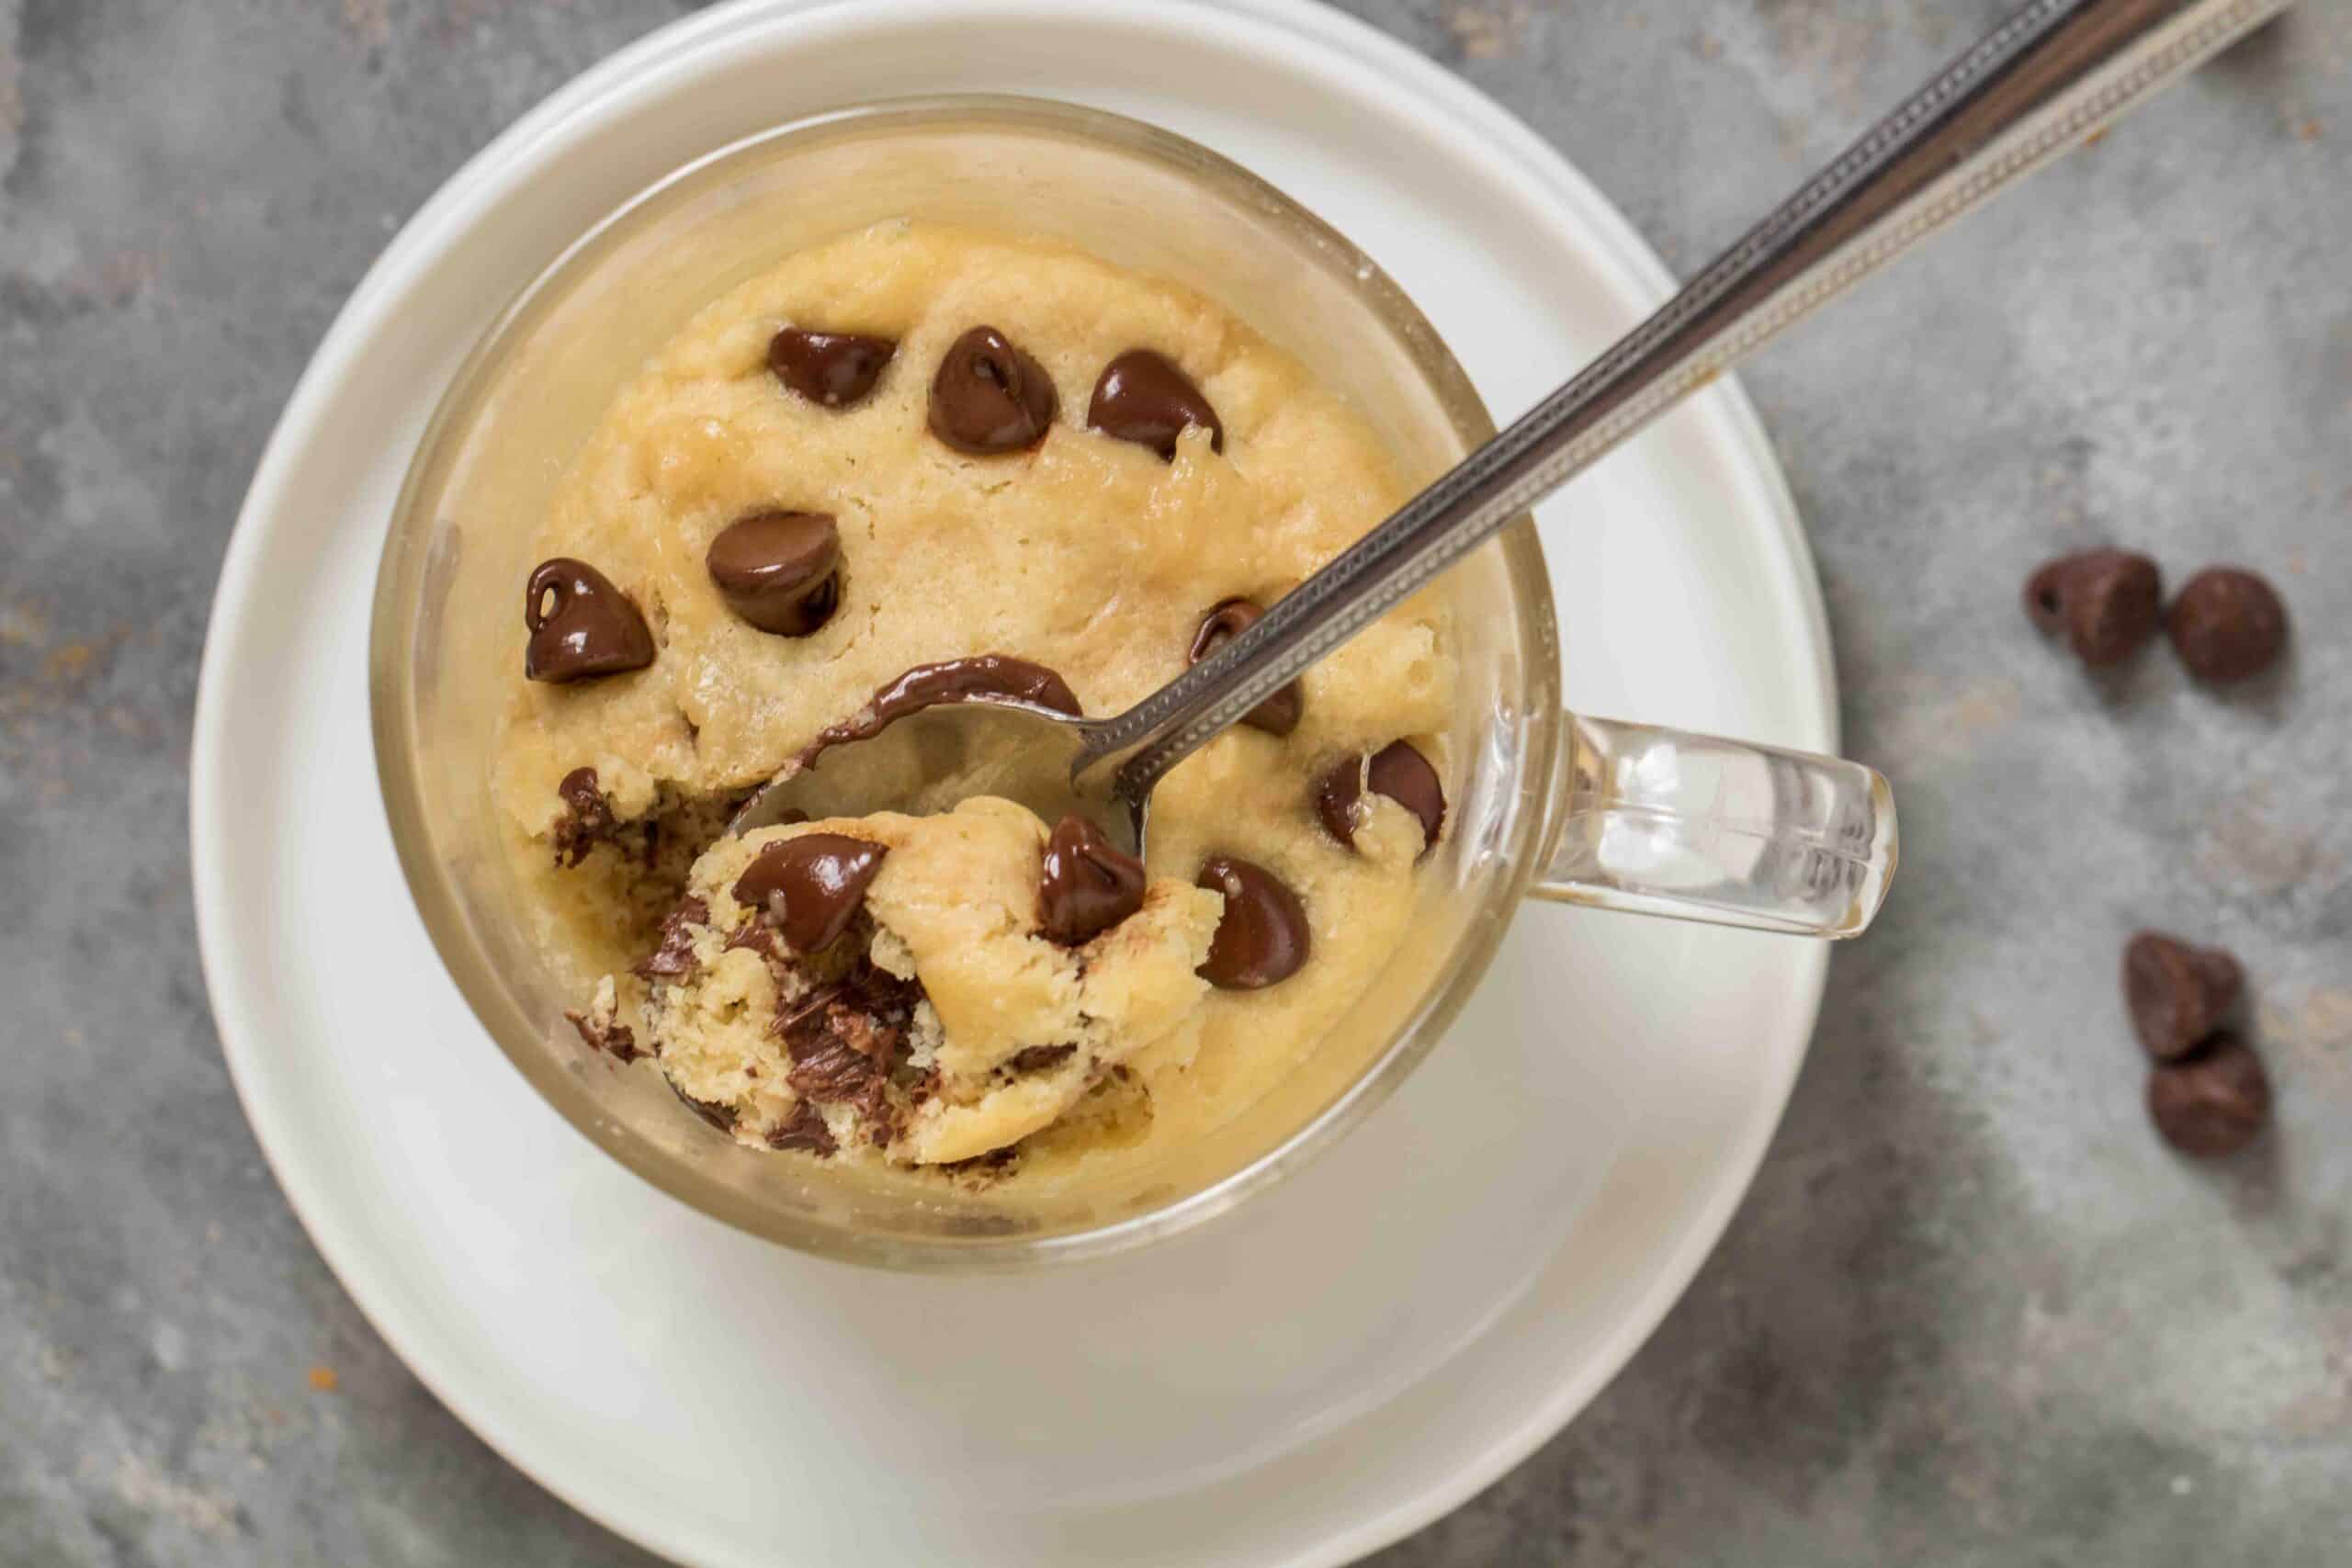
x=1462, y=111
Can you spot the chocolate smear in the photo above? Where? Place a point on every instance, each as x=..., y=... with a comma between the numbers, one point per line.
x=674, y=955
x=616, y=1040
x=982, y=678
x=805, y=1130
x=587, y=818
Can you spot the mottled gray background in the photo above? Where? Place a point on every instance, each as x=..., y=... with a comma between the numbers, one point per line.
x=1972, y=1313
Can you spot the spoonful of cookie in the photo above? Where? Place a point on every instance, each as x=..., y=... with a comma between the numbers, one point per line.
x=2039, y=84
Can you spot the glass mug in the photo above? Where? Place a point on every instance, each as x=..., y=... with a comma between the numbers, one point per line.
x=1542, y=803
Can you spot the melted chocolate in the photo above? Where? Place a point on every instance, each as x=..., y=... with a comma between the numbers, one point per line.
x=1086, y=884
x=812, y=885
x=983, y=678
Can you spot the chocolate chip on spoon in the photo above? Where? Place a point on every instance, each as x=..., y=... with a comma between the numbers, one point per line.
x=1397, y=771
x=582, y=627
x=1086, y=884
x=1142, y=396
x=990, y=397
x=2178, y=994
x=2211, y=1103
x=1262, y=937
x=2107, y=602
x=812, y=885
x=836, y=369
x=1227, y=619
x=2226, y=624
x=779, y=571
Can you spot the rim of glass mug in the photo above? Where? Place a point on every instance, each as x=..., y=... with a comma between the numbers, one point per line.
x=395, y=649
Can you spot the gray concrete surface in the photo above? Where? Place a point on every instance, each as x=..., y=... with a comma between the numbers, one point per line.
x=1972, y=1313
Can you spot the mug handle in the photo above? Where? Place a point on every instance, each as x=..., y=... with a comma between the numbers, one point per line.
x=1658, y=821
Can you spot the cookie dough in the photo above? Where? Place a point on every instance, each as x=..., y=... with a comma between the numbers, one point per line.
x=920, y=444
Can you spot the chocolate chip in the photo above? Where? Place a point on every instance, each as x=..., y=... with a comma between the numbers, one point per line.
x=1037, y=1058
x=779, y=571
x=587, y=818
x=1397, y=771
x=1086, y=884
x=837, y=369
x=1227, y=619
x=2107, y=602
x=2227, y=625
x=804, y=1131
x=1143, y=398
x=2211, y=1103
x=673, y=951
x=1262, y=936
x=617, y=1039
x=581, y=625
x=2176, y=993
x=989, y=397
x=810, y=886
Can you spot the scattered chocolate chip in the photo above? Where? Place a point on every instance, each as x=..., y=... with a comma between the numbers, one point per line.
x=2227, y=625
x=837, y=369
x=1227, y=619
x=982, y=678
x=587, y=818
x=719, y=1116
x=1086, y=884
x=674, y=955
x=582, y=626
x=779, y=571
x=2210, y=1103
x=1262, y=936
x=810, y=886
x=1037, y=1058
x=615, y=1039
x=2176, y=993
x=990, y=397
x=1142, y=396
x=804, y=1131
x=1397, y=771
x=2107, y=602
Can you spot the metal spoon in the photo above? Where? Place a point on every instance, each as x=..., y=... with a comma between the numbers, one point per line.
x=2040, y=84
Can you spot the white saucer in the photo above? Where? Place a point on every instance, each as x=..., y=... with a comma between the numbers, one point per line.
x=1336, y=1364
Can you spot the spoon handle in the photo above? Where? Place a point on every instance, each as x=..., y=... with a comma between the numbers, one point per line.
x=2037, y=86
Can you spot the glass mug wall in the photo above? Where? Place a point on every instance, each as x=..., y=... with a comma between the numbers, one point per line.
x=1559, y=806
